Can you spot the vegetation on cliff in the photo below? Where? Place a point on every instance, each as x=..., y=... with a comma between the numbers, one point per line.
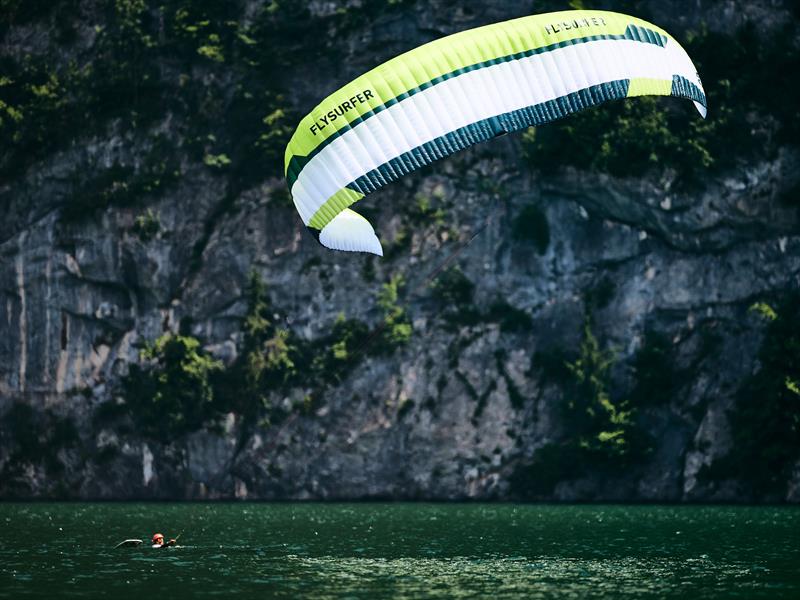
x=766, y=418
x=178, y=387
x=180, y=86
x=600, y=429
x=747, y=115
x=171, y=394
x=200, y=63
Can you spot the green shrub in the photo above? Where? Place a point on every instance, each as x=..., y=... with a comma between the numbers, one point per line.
x=765, y=311
x=266, y=361
x=36, y=110
x=422, y=211
x=623, y=138
x=399, y=245
x=766, y=418
x=339, y=349
x=600, y=431
x=455, y=291
x=272, y=358
x=396, y=326
x=600, y=424
x=277, y=127
x=123, y=185
x=216, y=161
x=46, y=101
x=630, y=137
x=170, y=393
x=147, y=225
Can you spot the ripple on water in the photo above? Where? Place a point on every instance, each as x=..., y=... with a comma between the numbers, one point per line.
x=330, y=577
x=403, y=551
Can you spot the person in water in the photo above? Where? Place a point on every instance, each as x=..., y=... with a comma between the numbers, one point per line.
x=159, y=542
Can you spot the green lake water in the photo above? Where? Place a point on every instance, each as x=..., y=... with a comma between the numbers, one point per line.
x=400, y=551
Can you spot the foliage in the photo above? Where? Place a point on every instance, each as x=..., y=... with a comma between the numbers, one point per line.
x=275, y=130
x=396, y=327
x=765, y=310
x=455, y=291
x=209, y=67
x=37, y=109
x=212, y=50
x=600, y=430
x=531, y=225
x=624, y=138
x=746, y=114
x=423, y=209
x=123, y=185
x=170, y=393
x=147, y=225
x=551, y=365
x=766, y=418
x=339, y=350
x=399, y=245
x=216, y=161
x=266, y=361
x=273, y=359
x=599, y=424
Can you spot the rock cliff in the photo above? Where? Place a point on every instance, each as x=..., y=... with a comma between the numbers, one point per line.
x=142, y=188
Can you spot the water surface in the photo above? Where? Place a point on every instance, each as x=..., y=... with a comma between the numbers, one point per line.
x=401, y=551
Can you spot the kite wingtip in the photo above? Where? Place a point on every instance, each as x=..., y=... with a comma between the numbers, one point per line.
x=701, y=109
x=350, y=232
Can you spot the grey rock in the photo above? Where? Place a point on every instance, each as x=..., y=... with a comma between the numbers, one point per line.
x=457, y=411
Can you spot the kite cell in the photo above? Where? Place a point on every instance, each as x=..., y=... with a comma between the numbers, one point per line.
x=464, y=89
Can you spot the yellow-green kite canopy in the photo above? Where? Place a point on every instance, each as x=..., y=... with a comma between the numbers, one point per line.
x=464, y=89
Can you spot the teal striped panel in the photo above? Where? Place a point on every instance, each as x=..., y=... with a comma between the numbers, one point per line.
x=487, y=129
x=633, y=32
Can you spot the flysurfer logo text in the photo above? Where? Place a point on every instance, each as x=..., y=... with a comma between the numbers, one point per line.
x=346, y=106
x=574, y=24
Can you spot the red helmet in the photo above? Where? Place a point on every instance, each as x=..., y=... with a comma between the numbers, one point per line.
x=157, y=537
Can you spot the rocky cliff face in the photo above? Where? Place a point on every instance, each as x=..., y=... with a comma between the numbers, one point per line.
x=463, y=409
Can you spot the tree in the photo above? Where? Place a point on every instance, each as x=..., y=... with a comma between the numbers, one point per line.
x=397, y=330
x=601, y=425
x=171, y=393
x=766, y=418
